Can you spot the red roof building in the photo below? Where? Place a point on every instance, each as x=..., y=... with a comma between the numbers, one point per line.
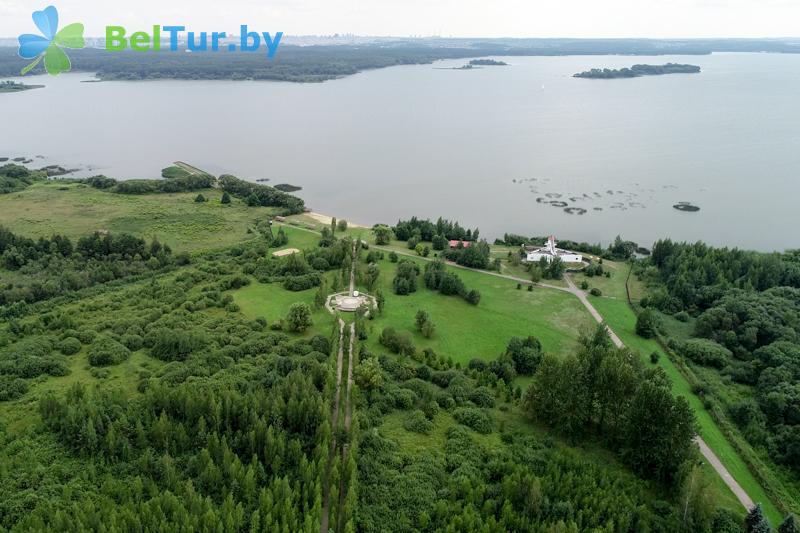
x=464, y=244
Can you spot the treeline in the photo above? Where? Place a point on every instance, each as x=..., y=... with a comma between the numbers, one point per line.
x=606, y=391
x=425, y=230
x=697, y=275
x=618, y=250
x=15, y=178
x=185, y=183
x=53, y=266
x=437, y=278
x=256, y=194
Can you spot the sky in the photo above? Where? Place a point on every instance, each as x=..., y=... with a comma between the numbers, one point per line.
x=446, y=18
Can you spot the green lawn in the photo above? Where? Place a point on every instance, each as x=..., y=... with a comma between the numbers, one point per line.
x=464, y=331
x=44, y=209
x=621, y=318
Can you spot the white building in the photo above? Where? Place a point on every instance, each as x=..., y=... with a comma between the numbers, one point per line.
x=550, y=252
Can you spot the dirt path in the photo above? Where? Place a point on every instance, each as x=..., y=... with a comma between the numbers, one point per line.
x=707, y=452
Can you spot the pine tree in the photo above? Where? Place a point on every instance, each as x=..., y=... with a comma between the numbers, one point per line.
x=756, y=522
x=789, y=525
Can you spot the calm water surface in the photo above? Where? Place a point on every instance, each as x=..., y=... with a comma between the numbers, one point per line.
x=479, y=146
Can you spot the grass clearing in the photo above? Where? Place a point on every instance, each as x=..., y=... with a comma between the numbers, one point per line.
x=464, y=331
x=44, y=209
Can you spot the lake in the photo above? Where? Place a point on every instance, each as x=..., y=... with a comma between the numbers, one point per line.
x=489, y=147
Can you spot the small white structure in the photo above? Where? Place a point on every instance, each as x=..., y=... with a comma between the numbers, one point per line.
x=550, y=252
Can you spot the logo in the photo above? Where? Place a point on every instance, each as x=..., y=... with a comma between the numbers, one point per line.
x=50, y=44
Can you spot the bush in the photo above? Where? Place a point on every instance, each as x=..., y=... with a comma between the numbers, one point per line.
x=12, y=388
x=585, y=285
x=482, y=397
x=681, y=316
x=474, y=419
x=86, y=336
x=69, y=346
x=397, y=342
x=417, y=422
x=132, y=342
x=299, y=317
x=705, y=352
x=473, y=297
x=654, y=357
x=646, y=324
x=199, y=199
x=106, y=351
x=403, y=398
x=596, y=292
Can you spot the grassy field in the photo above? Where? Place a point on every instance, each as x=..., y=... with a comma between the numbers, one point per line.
x=464, y=331
x=618, y=314
x=176, y=219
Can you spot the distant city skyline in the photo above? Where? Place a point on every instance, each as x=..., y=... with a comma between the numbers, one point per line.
x=445, y=18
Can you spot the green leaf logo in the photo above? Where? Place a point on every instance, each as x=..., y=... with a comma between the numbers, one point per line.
x=50, y=44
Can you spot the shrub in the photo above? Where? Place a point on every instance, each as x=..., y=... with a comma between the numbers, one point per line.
x=106, y=351
x=199, y=199
x=473, y=297
x=397, y=342
x=12, y=388
x=654, y=357
x=69, y=346
x=705, y=352
x=132, y=342
x=474, y=419
x=585, y=285
x=646, y=324
x=403, y=398
x=299, y=317
x=596, y=292
x=86, y=336
x=482, y=397
x=417, y=422
x=681, y=316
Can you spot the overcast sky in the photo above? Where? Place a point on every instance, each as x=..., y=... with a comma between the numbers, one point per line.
x=457, y=18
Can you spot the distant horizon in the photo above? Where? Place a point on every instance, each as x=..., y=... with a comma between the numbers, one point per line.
x=495, y=38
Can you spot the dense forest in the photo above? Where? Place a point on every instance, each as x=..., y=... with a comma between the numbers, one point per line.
x=743, y=309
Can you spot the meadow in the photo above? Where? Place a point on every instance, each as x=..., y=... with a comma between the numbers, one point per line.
x=74, y=210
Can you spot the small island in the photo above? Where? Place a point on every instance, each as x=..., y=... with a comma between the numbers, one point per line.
x=638, y=70
x=488, y=63
x=13, y=87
